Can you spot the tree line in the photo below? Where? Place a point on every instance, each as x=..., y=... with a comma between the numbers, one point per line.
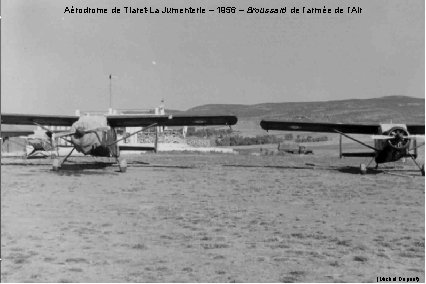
x=226, y=137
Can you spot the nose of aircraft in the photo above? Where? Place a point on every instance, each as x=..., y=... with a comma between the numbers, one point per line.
x=79, y=132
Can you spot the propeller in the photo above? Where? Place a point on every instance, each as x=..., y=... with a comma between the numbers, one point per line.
x=416, y=137
x=397, y=138
x=54, y=134
x=79, y=132
x=386, y=137
x=381, y=137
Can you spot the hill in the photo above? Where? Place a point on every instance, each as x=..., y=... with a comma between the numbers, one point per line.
x=392, y=108
x=396, y=109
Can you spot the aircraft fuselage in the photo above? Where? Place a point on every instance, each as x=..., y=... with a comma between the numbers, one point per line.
x=389, y=154
x=391, y=150
x=107, y=147
x=98, y=143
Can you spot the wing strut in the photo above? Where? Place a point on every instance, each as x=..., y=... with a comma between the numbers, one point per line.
x=362, y=143
x=416, y=147
x=422, y=169
x=131, y=134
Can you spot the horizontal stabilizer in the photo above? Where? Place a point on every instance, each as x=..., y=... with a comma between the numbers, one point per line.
x=359, y=154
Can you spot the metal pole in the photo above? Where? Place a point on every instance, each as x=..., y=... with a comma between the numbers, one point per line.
x=110, y=91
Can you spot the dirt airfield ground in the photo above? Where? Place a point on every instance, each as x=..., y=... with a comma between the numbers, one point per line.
x=211, y=218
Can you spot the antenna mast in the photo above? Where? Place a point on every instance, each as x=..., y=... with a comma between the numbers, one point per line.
x=110, y=92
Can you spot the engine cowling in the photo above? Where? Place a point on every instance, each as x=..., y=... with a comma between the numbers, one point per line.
x=399, y=138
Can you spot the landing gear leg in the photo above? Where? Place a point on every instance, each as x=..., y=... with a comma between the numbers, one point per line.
x=56, y=164
x=57, y=152
x=363, y=169
x=422, y=168
x=370, y=163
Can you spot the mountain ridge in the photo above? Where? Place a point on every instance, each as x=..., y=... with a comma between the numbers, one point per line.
x=398, y=109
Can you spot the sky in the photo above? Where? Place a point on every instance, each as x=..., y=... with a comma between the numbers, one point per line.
x=54, y=62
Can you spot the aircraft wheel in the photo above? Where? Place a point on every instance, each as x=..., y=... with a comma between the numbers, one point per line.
x=363, y=169
x=123, y=166
x=56, y=165
x=423, y=170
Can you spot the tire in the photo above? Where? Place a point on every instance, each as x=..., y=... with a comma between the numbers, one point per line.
x=123, y=166
x=56, y=165
x=363, y=169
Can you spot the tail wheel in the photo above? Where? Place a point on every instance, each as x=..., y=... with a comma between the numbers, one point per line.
x=123, y=166
x=363, y=169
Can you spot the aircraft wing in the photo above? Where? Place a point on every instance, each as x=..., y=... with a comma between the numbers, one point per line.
x=319, y=127
x=165, y=120
x=416, y=129
x=16, y=133
x=31, y=119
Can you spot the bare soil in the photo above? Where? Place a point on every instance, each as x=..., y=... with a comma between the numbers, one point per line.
x=211, y=218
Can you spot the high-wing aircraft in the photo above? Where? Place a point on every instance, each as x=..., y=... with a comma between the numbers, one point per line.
x=97, y=136
x=39, y=142
x=391, y=141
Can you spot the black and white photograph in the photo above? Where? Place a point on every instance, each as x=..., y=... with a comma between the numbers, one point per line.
x=191, y=141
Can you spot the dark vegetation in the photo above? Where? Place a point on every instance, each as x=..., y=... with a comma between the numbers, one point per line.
x=207, y=132
x=300, y=139
x=237, y=140
x=225, y=137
